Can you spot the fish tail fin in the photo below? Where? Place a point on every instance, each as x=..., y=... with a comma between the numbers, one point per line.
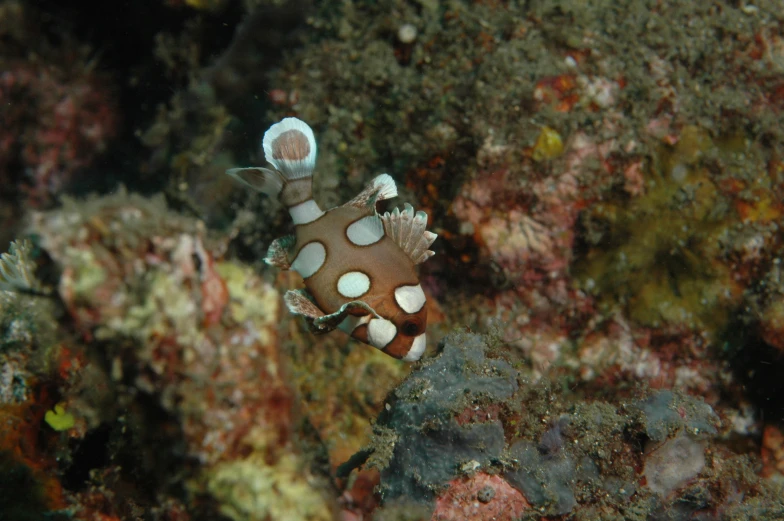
x=290, y=147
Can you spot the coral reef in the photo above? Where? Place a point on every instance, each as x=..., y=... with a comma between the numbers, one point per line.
x=196, y=333
x=607, y=186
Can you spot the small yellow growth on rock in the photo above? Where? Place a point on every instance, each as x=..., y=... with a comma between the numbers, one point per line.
x=59, y=419
x=549, y=145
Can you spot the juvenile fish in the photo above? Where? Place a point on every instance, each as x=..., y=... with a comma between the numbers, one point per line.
x=359, y=267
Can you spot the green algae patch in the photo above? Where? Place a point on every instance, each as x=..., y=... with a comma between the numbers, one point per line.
x=662, y=254
x=59, y=419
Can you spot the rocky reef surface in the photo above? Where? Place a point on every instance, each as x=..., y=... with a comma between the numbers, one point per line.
x=470, y=437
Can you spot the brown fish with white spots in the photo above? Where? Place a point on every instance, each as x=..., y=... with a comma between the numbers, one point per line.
x=359, y=267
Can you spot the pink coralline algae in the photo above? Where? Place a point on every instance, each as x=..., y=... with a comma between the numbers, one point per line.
x=527, y=227
x=481, y=496
x=56, y=119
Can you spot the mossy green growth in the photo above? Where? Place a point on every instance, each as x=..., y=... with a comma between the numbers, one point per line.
x=251, y=299
x=660, y=254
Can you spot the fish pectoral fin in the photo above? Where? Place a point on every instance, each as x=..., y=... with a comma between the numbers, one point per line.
x=278, y=252
x=381, y=188
x=299, y=303
x=408, y=230
x=329, y=322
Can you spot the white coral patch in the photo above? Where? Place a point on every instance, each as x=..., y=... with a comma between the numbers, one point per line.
x=410, y=298
x=417, y=348
x=381, y=332
x=353, y=284
x=309, y=259
x=365, y=231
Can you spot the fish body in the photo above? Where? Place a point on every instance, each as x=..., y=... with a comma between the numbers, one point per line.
x=358, y=267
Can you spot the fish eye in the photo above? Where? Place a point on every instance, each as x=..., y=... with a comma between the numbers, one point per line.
x=410, y=328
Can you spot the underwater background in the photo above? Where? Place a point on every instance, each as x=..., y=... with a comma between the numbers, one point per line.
x=606, y=333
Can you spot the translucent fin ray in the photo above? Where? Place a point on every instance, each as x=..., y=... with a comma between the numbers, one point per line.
x=260, y=179
x=299, y=303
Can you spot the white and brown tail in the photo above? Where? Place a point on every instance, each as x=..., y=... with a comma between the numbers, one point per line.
x=290, y=147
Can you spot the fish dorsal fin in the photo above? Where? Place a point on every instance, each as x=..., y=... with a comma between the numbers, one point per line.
x=381, y=188
x=407, y=229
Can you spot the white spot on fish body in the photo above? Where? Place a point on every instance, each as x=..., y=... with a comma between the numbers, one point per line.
x=306, y=212
x=353, y=284
x=417, y=348
x=365, y=231
x=310, y=259
x=381, y=332
x=410, y=298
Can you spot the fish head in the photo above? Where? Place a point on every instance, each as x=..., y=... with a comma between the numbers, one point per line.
x=398, y=330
